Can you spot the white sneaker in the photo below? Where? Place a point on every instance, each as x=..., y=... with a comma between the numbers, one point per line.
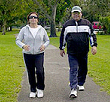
x=32, y=94
x=80, y=88
x=40, y=93
x=73, y=93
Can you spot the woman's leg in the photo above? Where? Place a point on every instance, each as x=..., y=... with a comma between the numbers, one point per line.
x=39, y=62
x=30, y=65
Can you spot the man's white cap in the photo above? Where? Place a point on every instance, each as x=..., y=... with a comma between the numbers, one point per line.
x=76, y=8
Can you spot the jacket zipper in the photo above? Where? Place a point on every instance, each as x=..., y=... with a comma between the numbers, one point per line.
x=34, y=41
x=33, y=45
x=76, y=26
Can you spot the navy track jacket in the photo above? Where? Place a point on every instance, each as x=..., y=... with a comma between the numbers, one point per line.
x=77, y=35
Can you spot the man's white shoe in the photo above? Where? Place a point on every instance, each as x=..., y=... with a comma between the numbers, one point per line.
x=73, y=93
x=80, y=88
x=40, y=93
x=32, y=94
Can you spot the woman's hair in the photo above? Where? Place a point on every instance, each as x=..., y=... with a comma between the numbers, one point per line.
x=30, y=14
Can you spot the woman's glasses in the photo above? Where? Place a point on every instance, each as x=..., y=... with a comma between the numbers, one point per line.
x=31, y=17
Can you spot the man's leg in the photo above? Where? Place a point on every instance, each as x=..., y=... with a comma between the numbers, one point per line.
x=73, y=72
x=73, y=75
x=82, y=71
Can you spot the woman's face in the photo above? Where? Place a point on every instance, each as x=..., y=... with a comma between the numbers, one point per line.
x=33, y=19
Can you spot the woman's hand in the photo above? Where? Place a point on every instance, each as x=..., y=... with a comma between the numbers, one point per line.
x=42, y=48
x=26, y=47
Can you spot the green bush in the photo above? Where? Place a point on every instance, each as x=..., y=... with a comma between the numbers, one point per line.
x=106, y=23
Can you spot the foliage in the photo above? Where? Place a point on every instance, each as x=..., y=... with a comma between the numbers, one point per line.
x=97, y=10
x=12, y=13
x=61, y=11
x=7, y=12
x=55, y=11
x=51, y=12
x=49, y=9
x=106, y=23
x=93, y=9
x=64, y=11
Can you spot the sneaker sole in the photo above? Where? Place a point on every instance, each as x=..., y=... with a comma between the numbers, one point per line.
x=81, y=90
x=32, y=97
x=40, y=97
x=72, y=96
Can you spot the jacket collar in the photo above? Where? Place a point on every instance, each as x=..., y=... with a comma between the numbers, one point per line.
x=77, y=21
x=39, y=26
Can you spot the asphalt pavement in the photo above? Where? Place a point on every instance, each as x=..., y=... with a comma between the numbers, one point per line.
x=57, y=83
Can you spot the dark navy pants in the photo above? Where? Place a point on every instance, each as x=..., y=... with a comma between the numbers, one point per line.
x=78, y=69
x=35, y=69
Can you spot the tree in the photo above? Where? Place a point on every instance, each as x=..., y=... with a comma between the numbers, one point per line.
x=12, y=13
x=69, y=4
x=97, y=10
x=63, y=12
x=48, y=7
x=93, y=9
x=7, y=10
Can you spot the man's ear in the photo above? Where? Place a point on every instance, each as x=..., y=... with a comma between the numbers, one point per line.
x=81, y=13
x=72, y=14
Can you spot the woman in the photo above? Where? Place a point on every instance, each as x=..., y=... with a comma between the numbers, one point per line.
x=33, y=39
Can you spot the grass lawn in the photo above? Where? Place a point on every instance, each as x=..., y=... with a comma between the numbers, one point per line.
x=99, y=64
x=11, y=67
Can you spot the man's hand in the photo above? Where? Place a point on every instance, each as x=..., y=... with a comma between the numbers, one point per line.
x=94, y=50
x=62, y=53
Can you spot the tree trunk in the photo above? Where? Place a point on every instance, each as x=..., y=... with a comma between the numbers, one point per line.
x=59, y=27
x=52, y=22
x=52, y=29
x=10, y=28
x=4, y=27
x=0, y=28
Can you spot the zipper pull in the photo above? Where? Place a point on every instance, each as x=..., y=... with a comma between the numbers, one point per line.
x=76, y=26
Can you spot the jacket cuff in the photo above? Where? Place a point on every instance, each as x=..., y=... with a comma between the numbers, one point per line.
x=94, y=45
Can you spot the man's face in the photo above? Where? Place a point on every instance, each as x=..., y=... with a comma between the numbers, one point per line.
x=76, y=15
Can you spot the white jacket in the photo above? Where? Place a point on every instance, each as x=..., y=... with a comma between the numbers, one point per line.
x=25, y=37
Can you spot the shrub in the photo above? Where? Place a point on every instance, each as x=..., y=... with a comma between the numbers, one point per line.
x=106, y=24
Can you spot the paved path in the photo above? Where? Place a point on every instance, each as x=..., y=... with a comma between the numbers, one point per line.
x=56, y=80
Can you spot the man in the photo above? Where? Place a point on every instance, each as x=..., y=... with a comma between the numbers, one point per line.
x=76, y=33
